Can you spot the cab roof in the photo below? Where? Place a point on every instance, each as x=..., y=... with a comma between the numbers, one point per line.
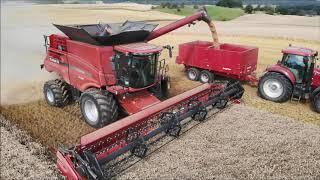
x=299, y=51
x=138, y=48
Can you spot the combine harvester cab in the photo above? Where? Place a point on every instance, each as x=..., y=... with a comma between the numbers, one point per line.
x=134, y=133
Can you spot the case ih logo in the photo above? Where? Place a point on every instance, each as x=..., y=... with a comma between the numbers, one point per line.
x=54, y=60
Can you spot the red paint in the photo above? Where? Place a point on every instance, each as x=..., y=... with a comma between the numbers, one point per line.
x=138, y=101
x=122, y=125
x=316, y=78
x=202, y=15
x=66, y=167
x=282, y=70
x=302, y=51
x=230, y=60
x=138, y=48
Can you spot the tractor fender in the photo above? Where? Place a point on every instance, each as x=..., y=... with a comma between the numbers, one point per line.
x=315, y=92
x=88, y=86
x=282, y=70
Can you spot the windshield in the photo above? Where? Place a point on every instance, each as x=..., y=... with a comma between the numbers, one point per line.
x=136, y=71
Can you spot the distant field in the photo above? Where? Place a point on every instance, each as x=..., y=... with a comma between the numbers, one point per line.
x=216, y=13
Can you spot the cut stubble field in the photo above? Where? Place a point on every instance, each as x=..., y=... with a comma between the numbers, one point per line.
x=25, y=107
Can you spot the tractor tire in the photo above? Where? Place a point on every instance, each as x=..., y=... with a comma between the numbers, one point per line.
x=98, y=108
x=206, y=77
x=275, y=87
x=56, y=93
x=193, y=74
x=316, y=102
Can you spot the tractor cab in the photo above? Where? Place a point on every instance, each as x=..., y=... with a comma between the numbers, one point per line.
x=300, y=61
x=294, y=77
x=136, y=65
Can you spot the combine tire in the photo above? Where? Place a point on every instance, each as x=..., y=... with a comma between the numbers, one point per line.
x=275, y=87
x=56, y=93
x=206, y=76
x=193, y=74
x=316, y=103
x=98, y=108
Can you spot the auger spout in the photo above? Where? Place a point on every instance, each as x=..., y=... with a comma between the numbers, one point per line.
x=198, y=16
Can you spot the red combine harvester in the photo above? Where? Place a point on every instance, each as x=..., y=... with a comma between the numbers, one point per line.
x=110, y=68
x=294, y=77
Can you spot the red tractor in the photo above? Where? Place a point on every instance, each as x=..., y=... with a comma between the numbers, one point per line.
x=294, y=77
x=109, y=68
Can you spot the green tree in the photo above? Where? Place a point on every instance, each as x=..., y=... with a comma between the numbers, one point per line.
x=230, y=3
x=248, y=9
x=281, y=10
x=269, y=10
x=258, y=8
x=174, y=6
x=195, y=7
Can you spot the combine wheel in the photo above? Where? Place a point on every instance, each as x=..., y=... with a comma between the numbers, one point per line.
x=275, y=87
x=316, y=102
x=56, y=93
x=206, y=76
x=193, y=74
x=98, y=108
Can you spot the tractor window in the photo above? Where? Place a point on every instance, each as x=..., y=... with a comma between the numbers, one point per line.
x=299, y=65
x=136, y=71
x=143, y=70
x=294, y=61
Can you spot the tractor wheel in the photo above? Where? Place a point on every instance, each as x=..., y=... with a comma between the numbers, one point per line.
x=316, y=102
x=275, y=87
x=56, y=93
x=206, y=76
x=98, y=108
x=193, y=74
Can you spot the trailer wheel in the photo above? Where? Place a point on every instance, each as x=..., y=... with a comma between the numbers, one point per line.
x=193, y=74
x=56, y=93
x=206, y=76
x=316, y=102
x=275, y=87
x=98, y=108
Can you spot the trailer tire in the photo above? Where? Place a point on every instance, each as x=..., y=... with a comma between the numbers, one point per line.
x=56, y=93
x=206, y=76
x=193, y=74
x=316, y=102
x=98, y=107
x=275, y=93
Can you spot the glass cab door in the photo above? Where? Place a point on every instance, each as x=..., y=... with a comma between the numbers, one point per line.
x=298, y=65
x=136, y=71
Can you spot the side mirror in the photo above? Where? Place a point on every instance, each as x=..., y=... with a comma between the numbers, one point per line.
x=170, y=49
